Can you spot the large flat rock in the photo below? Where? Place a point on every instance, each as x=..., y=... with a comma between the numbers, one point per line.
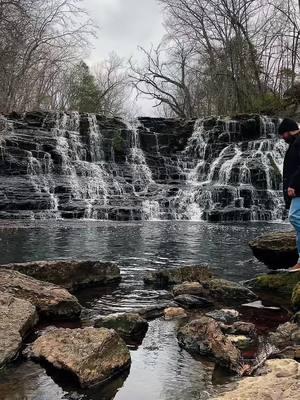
x=92, y=355
x=276, y=250
x=71, y=274
x=51, y=301
x=281, y=382
x=17, y=317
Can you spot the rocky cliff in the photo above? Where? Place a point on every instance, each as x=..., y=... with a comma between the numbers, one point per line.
x=66, y=165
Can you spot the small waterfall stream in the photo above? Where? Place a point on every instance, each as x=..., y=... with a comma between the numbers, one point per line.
x=66, y=165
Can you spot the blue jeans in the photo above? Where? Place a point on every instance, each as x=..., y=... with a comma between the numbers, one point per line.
x=294, y=217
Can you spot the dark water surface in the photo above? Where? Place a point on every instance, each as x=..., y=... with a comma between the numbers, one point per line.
x=160, y=369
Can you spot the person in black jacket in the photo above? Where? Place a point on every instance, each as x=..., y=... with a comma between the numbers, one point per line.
x=289, y=131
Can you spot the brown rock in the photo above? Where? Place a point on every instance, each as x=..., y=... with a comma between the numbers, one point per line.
x=204, y=336
x=71, y=274
x=17, y=317
x=281, y=382
x=92, y=355
x=174, y=312
x=50, y=301
x=193, y=288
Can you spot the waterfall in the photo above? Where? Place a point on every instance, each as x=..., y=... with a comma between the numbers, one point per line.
x=71, y=165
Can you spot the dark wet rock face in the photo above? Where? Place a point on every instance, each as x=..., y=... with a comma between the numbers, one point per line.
x=17, y=318
x=204, y=336
x=92, y=355
x=276, y=250
x=66, y=165
x=128, y=325
x=51, y=301
x=71, y=274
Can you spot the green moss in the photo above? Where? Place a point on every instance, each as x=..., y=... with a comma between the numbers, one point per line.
x=277, y=283
x=296, y=297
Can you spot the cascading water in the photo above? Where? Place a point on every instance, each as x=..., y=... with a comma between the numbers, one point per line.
x=66, y=165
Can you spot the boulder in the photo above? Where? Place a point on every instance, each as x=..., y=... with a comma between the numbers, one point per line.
x=17, y=318
x=126, y=324
x=281, y=382
x=193, y=288
x=174, y=312
x=189, y=301
x=224, y=315
x=71, y=274
x=276, y=250
x=228, y=292
x=157, y=311
x=281, y=284
x=174, y=276
x=92, y=355
x=204, y=336
x=51, y=301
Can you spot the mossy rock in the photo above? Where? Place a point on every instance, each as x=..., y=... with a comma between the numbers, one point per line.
x=296, y=296
x=278, y=284
x=118, y=144
x=276, y=250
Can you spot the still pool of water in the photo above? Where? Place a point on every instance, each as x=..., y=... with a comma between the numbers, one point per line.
x=160, y=369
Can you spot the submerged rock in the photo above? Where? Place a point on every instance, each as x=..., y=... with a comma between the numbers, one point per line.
x=51, y=301
x=227, y=292
x=173, y=276
x=281, y=382
x=190, y=301
x=126, y=324
x=276, y=250
x=174, y=312
x=71, y=274
x=17, y=318
x=204, y=336
x=224, y=315
x=92, y=355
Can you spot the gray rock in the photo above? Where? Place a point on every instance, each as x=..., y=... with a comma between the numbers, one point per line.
x=51, y=301
x=126, y=324
x=17, y=318
x=190, y=301
x=228, y=292
x=224, y=315
x=70, y=274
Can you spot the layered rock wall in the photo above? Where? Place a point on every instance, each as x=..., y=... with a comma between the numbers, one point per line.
x=66, y=165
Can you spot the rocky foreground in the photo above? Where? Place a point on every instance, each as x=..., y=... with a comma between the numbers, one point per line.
x=217, y=319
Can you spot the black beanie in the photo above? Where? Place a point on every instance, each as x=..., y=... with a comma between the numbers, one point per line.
x=287, y=125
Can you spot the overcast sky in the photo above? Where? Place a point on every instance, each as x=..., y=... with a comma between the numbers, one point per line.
x=125, y=25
